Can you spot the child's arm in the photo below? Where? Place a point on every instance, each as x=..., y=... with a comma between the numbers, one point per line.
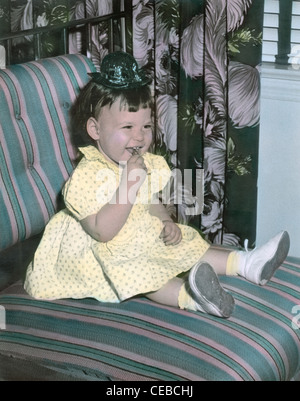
x=157, y=209
x=171, y=234
x=105, y=225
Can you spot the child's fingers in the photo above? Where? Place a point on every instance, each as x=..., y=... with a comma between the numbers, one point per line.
x=166, y=232
x=170, y=230
x=171, y=237
x=173, y=241
x=137, y=161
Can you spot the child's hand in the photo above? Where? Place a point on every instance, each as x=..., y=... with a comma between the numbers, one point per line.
x=171, y=234
x=135, y=171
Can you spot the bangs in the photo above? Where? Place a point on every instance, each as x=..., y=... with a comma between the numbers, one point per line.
x=132, y=99
x=136, y=99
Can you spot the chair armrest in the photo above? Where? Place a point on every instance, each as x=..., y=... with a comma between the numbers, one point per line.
x=14, y=261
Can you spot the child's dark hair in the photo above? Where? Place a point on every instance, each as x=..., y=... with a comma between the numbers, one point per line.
x=94, y=96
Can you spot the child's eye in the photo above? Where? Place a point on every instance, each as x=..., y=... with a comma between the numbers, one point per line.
x=148, y=126
x=127, y=127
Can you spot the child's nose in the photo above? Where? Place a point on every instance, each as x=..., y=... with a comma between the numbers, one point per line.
x=138, y=135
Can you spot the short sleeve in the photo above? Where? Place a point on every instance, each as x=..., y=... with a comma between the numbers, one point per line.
x=160, y=172
x=89, y=188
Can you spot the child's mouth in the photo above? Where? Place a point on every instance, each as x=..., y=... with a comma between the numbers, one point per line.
x=134, y=150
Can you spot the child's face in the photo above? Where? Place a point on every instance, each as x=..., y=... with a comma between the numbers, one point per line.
x=118, y=131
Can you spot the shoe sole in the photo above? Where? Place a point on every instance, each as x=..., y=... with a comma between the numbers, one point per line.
x=277, y=259
x=208, y=292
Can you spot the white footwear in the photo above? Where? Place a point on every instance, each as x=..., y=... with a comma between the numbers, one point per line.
x=259, y=265
x=208, y=293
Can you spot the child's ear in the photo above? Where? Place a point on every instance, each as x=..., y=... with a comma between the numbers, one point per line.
x=93, y=128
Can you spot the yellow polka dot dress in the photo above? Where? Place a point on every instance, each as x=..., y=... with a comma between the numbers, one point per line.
x=71, y=264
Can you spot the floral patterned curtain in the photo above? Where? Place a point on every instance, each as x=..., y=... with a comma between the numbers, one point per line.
x=204, y=57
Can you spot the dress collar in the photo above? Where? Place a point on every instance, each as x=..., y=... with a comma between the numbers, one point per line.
x=90, y=152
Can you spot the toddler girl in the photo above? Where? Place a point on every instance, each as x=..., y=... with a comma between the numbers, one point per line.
x=115, y=239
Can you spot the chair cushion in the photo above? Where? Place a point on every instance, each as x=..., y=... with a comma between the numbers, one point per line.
x=141, y=340
x=36, y=152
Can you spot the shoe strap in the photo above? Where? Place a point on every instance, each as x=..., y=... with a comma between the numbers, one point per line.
x=246, y=243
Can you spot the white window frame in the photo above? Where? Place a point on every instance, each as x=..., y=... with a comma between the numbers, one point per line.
x=270, y=33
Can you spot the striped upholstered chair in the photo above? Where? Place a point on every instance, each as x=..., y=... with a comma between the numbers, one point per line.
x=135, y=340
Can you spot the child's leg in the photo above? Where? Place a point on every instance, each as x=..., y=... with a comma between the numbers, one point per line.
x=217, y=257
x=201, y=292
x=257, y=266
x=260, y=264
x=168, y=294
